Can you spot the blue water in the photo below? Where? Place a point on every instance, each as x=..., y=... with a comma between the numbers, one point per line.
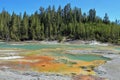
x=27, y=46
x=33, y=46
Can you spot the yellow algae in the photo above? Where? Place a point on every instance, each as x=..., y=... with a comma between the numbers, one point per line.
x=49, y=67
x=83, y=63
x=98, y=62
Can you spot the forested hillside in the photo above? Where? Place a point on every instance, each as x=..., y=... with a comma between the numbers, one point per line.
x=54, y=24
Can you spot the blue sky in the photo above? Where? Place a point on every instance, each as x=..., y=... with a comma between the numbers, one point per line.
x=112, y=7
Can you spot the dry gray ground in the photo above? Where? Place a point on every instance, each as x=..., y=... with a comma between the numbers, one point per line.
x=6, y=74
x=111, y=69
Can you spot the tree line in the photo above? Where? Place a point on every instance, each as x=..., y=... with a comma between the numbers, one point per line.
x=54, y=24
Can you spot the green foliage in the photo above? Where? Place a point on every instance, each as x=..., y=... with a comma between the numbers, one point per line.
x=60, y=38
x=24, y=27
x=106, y=19
x=54, y=24
x=92, y=15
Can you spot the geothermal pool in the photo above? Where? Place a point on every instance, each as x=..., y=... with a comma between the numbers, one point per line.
x=50, y=58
